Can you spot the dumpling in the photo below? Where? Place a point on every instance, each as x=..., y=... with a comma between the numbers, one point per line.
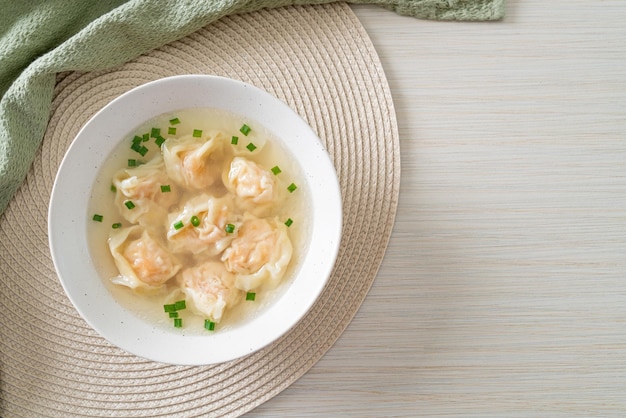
x=260, y=254
x=209, y=289
x=210, y=236
x=194, y=162
x=253, y=185
x=141, y=186
x=142, y=261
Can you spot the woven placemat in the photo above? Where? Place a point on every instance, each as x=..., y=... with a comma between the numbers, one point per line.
x=319, y=60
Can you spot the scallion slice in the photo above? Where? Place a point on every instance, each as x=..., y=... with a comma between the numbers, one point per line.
x=178, y=225
x=137, y=139
x=209, y=325
x=276, y=170
x=173, y=314
x=292, y=187
x=171, y=131
x=129, y=204
x=146, y=137
x=165, y=188
x=98, y=218
x=159, y=141
x=155, y=132
x=116, y=225
x=180, y=304
x=230, y=228
x=251, y=147
x=174, y=121
x=288, y=222
x=142, y=150
x=132, y=162
x=195, y=221
x=170, y=307
x=245, y=129
x=250, y=296
x=178, y=322
x=197, y=133
x=113, y=188
x=234, y=140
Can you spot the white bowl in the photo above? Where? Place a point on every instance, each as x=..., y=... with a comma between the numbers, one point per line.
x=69, y=219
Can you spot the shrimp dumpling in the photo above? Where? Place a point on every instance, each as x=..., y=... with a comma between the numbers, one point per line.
x=142, y=186
x=210, y=235
x=260, y=254
x=194, y=162
x=142, y=261
x=209, y=289
x=254, y=186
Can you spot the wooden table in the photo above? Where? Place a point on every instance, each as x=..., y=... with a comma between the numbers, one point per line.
x=503, y=291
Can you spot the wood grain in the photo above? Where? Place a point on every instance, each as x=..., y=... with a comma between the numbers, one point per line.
x=503, y=291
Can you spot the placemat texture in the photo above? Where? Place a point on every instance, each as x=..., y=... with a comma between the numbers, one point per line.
x=319, y=60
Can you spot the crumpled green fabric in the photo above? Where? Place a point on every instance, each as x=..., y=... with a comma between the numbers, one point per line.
x=40, y=38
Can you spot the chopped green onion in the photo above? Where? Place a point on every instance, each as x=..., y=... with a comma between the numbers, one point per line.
x=113, y=188
x=116, y=225
x=292, y=187
x=197, y=133
x=250, y=296
x=276, y=170
x=165, y=188
x=98, y=218
x=171, y=307
x=171, y=131
x=178, y=322
x=129, y=204
x=132, y=163
x=173, y=314
x=245, y=129
x=155, y=132
x=142, y=150
x=137, y=139
x=208, y=324
x=251, y=146
x=195, y=221
x=159, y=141
x=230, y=228
x=178, y=225
x=146, y=137
x=234, y=140
x=136, y=146
x=180, y=304
x=288, y=222
x=174, y=121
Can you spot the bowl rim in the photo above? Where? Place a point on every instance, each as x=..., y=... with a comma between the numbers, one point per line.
x=68, y=221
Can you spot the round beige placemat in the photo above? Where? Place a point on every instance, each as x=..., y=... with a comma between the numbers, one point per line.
x=319, y=60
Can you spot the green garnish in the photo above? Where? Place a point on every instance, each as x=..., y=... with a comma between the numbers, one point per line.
x=171, y=307
x=230, y=228
x=276, y=170
x=173, y=314
x=136, y=146
x=159, y=141
x=180, y=304
x=178, y=225
x=155, y=132
x=251, y=146
x=292, y=187
x=129, y=204
x=174, y=121
x=208, y=324
x=195, y=221
x=98, y=218
x=250, y=296
x=113, y=188
x=234, y=140
x=165, y=188
x=146, y=137
x=178, y=322
x=137, y=139
x=171, y=131
x=245, y=129
x=197, y=133
x=132, y=163
x=288, y=222
x=142, y=150
x=116, y=225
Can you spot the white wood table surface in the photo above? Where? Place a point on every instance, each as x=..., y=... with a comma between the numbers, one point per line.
x=503, y=291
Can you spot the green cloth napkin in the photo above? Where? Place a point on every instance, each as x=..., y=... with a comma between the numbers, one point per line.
x=40, y=38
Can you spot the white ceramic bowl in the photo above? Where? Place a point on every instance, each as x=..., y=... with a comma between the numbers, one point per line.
x=69, y=219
